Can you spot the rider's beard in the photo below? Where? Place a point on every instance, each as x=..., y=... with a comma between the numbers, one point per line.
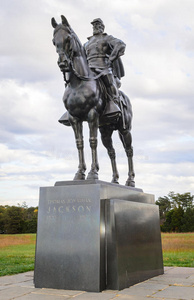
x=97, y=31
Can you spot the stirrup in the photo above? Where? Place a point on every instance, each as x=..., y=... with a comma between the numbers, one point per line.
x=111, y=109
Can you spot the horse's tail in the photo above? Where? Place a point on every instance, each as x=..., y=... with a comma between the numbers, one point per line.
x=126, y=109
x=124, y=99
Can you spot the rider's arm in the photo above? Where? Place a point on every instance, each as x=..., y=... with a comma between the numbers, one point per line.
x=117, y=46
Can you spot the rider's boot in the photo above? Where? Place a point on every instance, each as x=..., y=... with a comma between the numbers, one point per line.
x=112, y=108
x=111, y=112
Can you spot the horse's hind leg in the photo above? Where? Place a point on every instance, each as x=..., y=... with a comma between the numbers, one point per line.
x=106, y=136
x=126, y=139
x=78, y=131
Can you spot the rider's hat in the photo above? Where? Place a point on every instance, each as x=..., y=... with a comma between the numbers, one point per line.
x=98, y=20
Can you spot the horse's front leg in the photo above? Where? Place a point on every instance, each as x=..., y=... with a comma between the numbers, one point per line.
x=93, y=126
x=78, y=131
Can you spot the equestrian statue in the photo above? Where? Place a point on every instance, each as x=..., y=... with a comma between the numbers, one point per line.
x=92, y=74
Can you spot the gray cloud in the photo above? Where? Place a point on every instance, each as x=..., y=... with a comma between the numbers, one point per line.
x=159, y=61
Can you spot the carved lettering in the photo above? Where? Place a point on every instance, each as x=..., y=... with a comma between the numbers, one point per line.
x=63, y=209
x=60, y=209
x=67, y=209
x=54, y=201
x=80, y=209
x=68, y=201
x=74, y=208
x=88, y=208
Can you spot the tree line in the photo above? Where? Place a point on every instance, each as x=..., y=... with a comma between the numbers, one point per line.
x=176, y=215
x=18, y=219
x=176, y=212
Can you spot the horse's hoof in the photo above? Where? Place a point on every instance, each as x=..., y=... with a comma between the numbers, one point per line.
x=79, y=176
x=92, y=175
x=130, y=182
x=114, y=181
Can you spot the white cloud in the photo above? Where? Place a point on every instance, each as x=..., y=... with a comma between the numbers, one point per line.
x=159, y=61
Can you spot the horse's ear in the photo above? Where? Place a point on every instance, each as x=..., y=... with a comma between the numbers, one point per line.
x=54, y=23
x=64, y=21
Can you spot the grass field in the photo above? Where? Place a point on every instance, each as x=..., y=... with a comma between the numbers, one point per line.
x=178, y=249
x=17, y=252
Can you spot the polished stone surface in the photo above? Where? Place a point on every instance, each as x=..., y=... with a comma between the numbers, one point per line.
x=112, y=190
x=76, y=237
x=70, y=239
x=134, y=251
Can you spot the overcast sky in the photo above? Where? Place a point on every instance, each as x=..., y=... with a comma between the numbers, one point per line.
x=35, y=150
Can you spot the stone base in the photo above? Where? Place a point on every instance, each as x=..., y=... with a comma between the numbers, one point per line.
x=134, y=251
x=94, y=235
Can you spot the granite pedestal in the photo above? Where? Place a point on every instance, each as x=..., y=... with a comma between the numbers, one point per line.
x=93, y=235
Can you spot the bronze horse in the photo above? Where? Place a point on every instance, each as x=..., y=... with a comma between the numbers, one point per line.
x=84, y=101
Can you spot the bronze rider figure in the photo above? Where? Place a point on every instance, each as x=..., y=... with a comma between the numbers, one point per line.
x=103, y=53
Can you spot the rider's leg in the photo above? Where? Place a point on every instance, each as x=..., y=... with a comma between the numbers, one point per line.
x=112, y=108
x=111, y=86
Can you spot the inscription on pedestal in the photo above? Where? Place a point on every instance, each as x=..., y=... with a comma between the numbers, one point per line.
x=87, y=240
x=69, y=206
x=70, y=241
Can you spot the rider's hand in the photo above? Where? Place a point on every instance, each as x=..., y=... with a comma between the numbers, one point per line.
x=109, y=64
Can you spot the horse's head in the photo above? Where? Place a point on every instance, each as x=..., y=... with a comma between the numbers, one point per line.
x=62, y=40
x=69, y=48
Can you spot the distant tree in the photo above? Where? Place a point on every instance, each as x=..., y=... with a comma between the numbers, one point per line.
x=188, y=221
x=2, y=219
x=164, y=207
x=166, y=226
x=18, y=219
x=181, y=200
x=30, y=220
x=13, y=219
x=176, y=212
x=177, y=218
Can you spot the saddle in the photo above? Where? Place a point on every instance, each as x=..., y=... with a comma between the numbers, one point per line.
x=111, y=113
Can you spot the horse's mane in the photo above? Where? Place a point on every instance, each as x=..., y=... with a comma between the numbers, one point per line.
x=80, y=63
x=78, y=55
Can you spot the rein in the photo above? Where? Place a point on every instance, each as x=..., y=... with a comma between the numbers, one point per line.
x=86, y=78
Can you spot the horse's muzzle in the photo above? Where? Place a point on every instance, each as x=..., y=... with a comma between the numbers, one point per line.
x=64, y=66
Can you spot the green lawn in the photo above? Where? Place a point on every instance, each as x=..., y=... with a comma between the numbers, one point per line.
x=17, y=258
x=180, y=259
x=178, y=249
x=17, y=252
